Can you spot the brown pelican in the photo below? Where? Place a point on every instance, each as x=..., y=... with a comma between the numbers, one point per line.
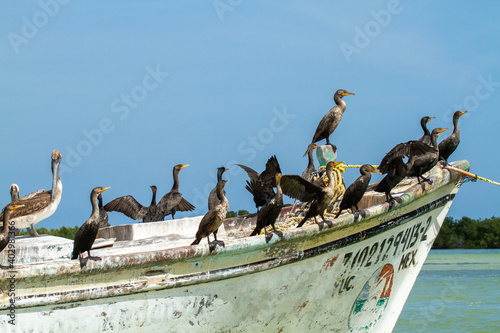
x=261, y=185
x=40, y=204
x=5, y=235
x=426, y=138
x=173, y=200
x=213, y=199
x=449, y=144
x=355, y=191
x=14, y=192
x=268, y=214
x=133, y=209
x=85, y=236
x=330, y=120
x=212, y=220
x=320, y=197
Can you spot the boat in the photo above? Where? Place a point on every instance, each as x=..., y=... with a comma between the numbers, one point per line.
x=352, y=274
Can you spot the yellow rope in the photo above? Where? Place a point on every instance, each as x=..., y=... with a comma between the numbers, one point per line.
x=488, y=180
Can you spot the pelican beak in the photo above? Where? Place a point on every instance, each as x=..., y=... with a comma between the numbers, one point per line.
x=346, y=93
x=104, y=189
x=16, y=207
x=185, y=165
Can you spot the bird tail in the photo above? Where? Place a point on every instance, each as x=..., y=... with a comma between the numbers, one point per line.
x=196, y=241
x=256, y=231
x=75, y=255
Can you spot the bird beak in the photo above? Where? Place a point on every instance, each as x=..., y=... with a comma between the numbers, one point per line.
x=104, y=189
x=278, y=175
x=463, y=112
x=16, y=207
x=443, y=129
x=374, y=170
x=315, y=146
x=347, y=93
x=335, y=163
x=185, y=165
x=430, y=118
x=226, y=169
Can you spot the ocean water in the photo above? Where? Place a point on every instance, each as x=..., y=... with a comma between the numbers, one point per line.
x=456, y=291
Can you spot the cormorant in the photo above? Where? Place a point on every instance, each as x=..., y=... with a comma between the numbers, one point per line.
x=212, y=220
x=449, y=144
x=40, y=204
x=5, y=235
x=213, y=200
x=426, y=138
x=173, y=200
x=310, y=170
x=355, y=191
x=421, y=158
x=261, y=185
x=268, y=214
x=85, y=236
x=320, y=197
x=330, y=120
x=103, y=216
x=133, y=209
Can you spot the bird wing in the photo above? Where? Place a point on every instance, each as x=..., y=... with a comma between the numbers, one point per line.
x=272, y=168
x=128, y=206
x=185, y=206
x=32, y=202
x=298, y=188
x=252, y=174
x=325, y=124
x=32, y=194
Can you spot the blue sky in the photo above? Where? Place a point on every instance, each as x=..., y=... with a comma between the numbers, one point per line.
x=126, y=91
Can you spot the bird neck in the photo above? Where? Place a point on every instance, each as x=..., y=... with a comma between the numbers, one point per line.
x=95, y=206
x=310, y=158
x=220, y=192
x=423, y=123
x=456, y=130
x=329, y=174
x=434, y=137
x=6, y=217
x=175, y=187
x=279, y=192
x=339, y=101
x=219, y=175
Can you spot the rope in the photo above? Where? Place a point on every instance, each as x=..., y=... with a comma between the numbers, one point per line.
x=471, y=175
x=488, y=180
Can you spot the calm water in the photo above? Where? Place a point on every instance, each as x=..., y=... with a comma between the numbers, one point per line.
x=456, y=291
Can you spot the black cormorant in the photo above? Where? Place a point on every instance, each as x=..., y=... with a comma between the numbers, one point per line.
x=426, y=138
x=449, y=144
x=212, y=220
x=85, y=236
x=5, y=235
x=355, y=191
x=212, y=197
x=133, y=209
x=173, y=200
x=268, y=214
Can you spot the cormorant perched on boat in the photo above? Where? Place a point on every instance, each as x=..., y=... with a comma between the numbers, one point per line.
x=421, y=158
x=103, y=216
x=320, y=197
x=173, y=200
x=133, y=209
x=40, y=204
x=310, y=170
x=426, y=138
x=355, y=191
x=261, y=185
x=212, y=220
x=212, y=197
x=449, y=144
x=330, y=120
x=268, y=214
x=5, y=235
x=85, y=236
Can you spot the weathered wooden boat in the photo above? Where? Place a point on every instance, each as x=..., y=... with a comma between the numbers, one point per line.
x=351, y=275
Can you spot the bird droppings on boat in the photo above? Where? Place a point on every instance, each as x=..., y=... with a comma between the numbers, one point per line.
x=328, y=264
